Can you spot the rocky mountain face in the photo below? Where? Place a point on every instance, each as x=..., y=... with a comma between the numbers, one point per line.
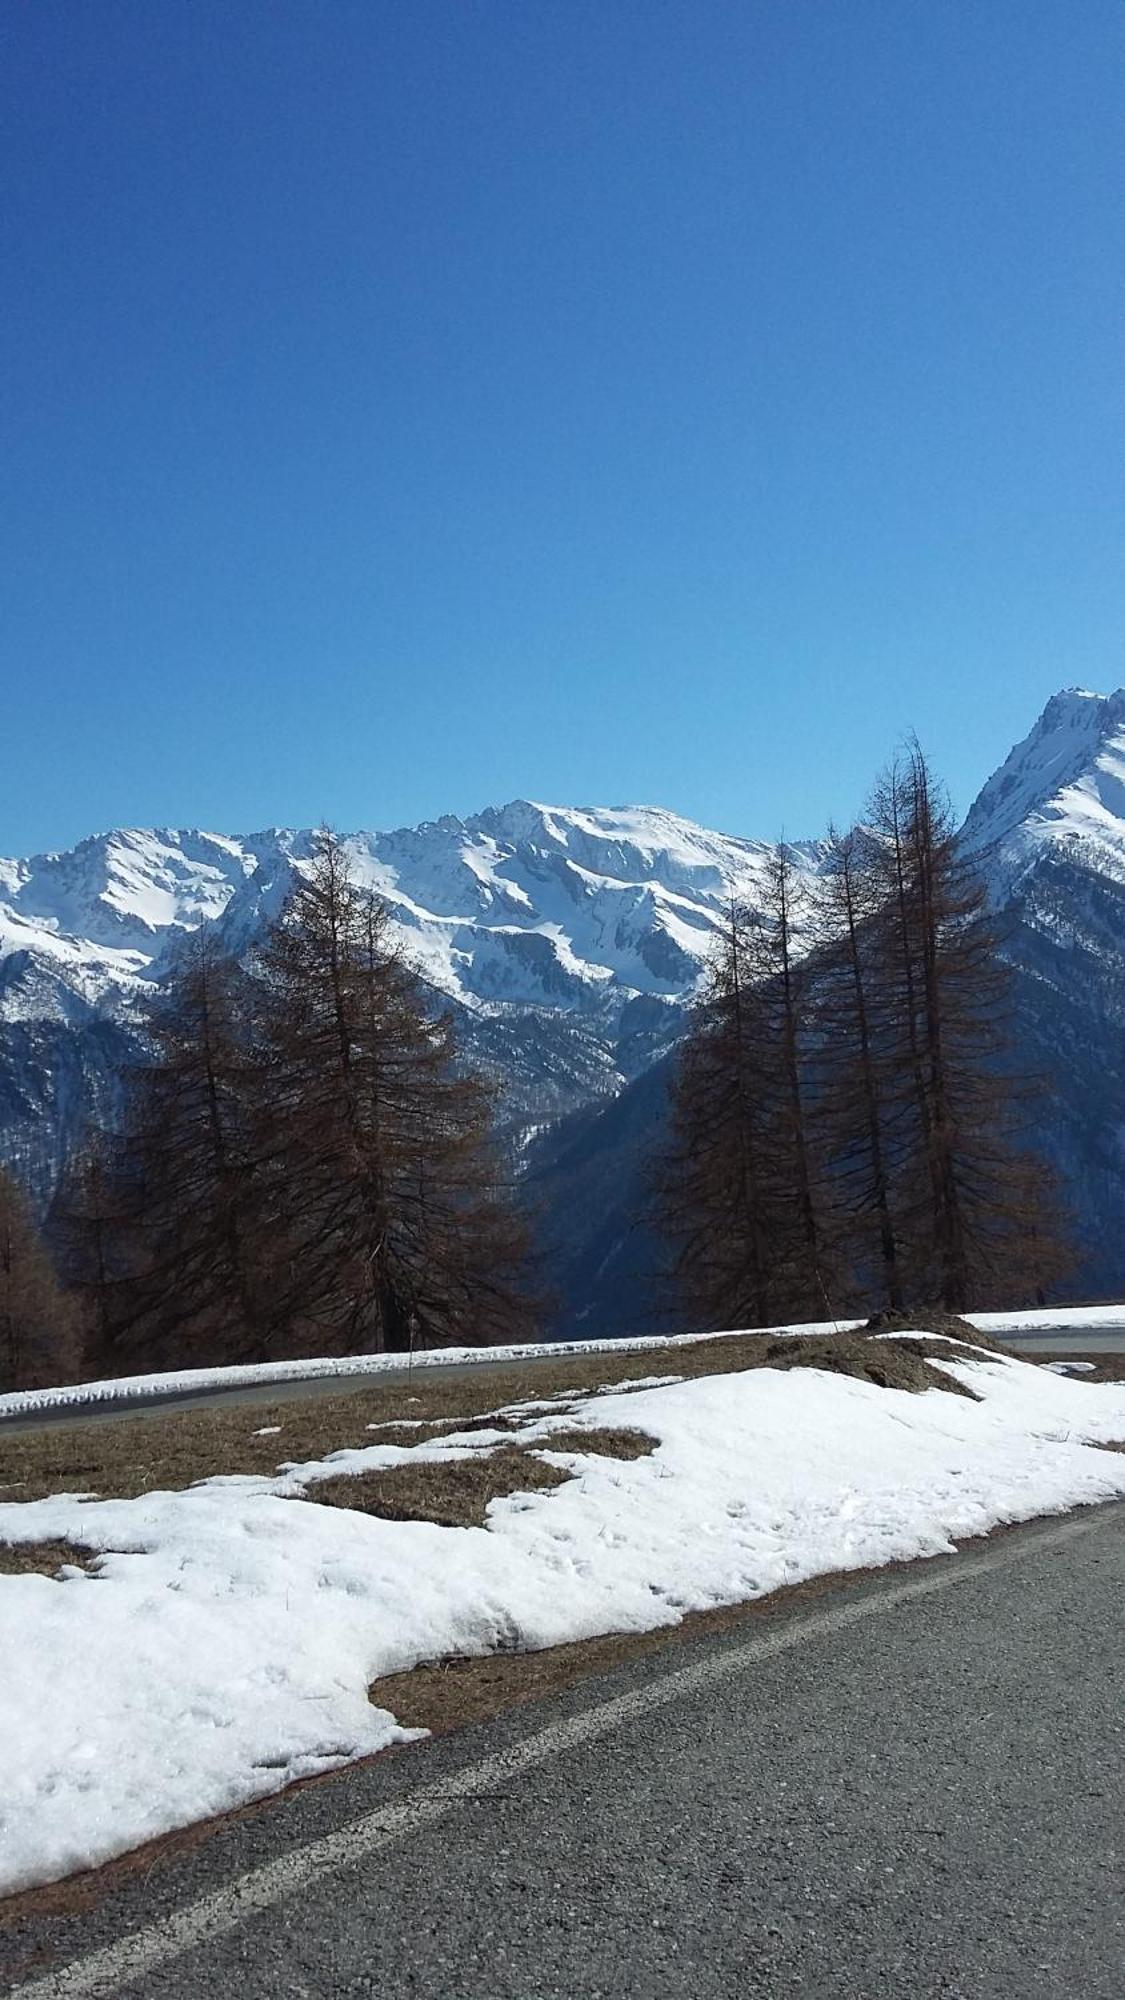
x=568, y=942
x=1048, y=832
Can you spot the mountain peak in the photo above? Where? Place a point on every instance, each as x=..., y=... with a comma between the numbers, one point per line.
x=1063, y=783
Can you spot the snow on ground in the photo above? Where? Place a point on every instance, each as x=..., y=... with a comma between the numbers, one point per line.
x=223, y=1643
x=1072, y=1319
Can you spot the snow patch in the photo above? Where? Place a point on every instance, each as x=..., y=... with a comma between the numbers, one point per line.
x=223, y=1642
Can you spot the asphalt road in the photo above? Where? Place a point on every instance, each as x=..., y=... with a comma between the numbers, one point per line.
x=906, y=1786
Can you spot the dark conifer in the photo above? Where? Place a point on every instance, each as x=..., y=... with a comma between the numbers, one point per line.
x=715, y=1186
x=801, y=1242
x=394, y=1222
x=93, y=1229
x=38, y=1336
x=853, y=1071
x=196, y=1234
x=845, y=1126
x=982, y=1212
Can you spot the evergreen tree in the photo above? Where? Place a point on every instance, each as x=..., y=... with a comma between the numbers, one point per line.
x=850, y=1106
x=785, y=992
x=709, y=1182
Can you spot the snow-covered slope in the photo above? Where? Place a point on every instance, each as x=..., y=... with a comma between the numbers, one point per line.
x=1061, y=791
x=1049, y=832
x=568, y=939
x=581, y=912
x=524, y=904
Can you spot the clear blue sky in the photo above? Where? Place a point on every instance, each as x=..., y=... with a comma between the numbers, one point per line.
x=412, y=406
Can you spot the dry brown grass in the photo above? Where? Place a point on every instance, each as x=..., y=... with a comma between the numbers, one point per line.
x=448, y=1694
x=126, y=1456
x=456, y=1492
x=933, y=1319
x=41, y=1558
x=605, y=1442
x=888, y=1364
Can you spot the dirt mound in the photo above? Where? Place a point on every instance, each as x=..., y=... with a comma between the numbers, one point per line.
x=932, y=1319
x=889, y=1364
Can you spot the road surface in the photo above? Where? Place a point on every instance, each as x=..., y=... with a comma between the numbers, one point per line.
x=905, y=1786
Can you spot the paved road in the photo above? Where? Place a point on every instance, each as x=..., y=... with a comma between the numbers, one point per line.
x=909, y=1786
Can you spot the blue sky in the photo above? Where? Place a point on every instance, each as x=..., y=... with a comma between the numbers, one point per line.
x=410, y=407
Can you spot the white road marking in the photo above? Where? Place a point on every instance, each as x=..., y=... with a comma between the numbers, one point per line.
x=201, y=1923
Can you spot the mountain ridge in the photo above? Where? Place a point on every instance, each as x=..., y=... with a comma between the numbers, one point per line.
x=568, y=941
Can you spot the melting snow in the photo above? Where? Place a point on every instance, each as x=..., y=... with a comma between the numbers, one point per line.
x=224, y=1641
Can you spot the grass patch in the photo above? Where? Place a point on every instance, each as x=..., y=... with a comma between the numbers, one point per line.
x=127, y=1456
x=931, y=1319
x=603, y=1442
x=887, y=1364
x=41, y=1558
x=456, y=1492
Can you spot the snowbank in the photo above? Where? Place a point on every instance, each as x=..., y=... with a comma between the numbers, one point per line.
x=223, y=1643
x=1072, y=1319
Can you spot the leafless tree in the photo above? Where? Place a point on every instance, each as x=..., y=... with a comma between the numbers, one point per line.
x=38, y=1336
x=394, y=1220
x=982, y=1212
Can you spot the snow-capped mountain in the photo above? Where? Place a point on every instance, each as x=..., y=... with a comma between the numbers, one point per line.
x=569, y=940
x=1049, y=833
x=1059, y=794
x=524, y=905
